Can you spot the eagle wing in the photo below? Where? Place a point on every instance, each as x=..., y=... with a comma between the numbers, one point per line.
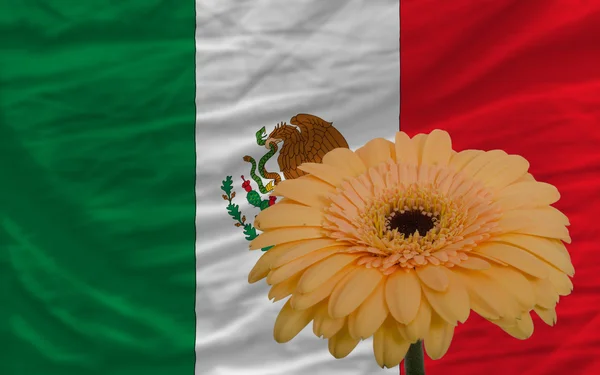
x=290, y=157
x=319, y=137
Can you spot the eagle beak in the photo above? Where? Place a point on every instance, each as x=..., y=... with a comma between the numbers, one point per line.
x=271, y=140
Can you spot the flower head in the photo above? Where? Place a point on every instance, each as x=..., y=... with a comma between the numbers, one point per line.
x=400, y=241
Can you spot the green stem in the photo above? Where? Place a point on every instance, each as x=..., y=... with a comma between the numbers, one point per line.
x=414, y=362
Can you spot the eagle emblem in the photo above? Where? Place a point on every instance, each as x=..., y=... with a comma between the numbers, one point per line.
x=306, y=140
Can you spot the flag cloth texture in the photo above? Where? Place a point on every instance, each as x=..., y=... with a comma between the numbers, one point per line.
x=521, y=76
x=97, y=173
x=120, y=124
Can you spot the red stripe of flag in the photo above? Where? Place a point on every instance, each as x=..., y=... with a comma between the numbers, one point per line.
x=522, y=76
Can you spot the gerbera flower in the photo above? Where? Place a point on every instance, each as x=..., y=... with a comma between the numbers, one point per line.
x=400, y=241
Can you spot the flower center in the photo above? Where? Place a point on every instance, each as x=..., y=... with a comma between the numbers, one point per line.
x=398, y=216
x=410, y=222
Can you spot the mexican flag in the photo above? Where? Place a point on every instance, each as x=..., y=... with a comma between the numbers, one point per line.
x=138, y=140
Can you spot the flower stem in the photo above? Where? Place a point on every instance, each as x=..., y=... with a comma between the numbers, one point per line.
x=414, y=363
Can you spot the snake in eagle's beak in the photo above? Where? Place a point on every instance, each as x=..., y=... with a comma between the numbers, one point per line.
x=272, y=140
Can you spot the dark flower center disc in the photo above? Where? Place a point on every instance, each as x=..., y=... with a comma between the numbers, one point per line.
x=410, y=222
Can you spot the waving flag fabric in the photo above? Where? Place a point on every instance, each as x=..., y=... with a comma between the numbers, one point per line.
x=137, y=144
x=521, y=76
x=97, y=171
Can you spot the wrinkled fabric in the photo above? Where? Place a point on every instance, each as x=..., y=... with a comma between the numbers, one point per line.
x=97, y=187
x=521, y=76
x=258, y=64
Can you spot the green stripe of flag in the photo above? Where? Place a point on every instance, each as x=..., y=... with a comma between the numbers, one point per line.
x=97, y=170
